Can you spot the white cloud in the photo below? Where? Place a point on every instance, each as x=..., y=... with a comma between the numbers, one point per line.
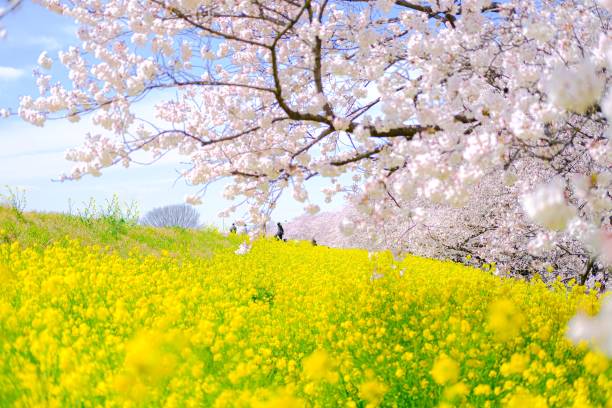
x=29, y=167
x=20, y=138
x=48, y=43
x=10, y=73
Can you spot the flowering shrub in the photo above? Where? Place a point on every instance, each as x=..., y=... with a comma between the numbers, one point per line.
x=284, y=325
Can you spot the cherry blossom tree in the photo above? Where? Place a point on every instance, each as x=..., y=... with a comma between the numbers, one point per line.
x=324, y=227
x=395, y=102
x=6, y=8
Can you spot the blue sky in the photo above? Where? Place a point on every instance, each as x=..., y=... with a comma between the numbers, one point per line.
x=32, y=157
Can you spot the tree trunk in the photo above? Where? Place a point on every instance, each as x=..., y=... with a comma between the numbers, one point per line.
x=589, y=268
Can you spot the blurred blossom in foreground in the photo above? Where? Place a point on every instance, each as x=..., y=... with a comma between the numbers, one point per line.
x=542, y=242
x=548, y=207
x=347, y=227
x=596, y=330
x=243, y=249
x=606, y=244
x=193, y=200
x=577, y=88
x=44, y=61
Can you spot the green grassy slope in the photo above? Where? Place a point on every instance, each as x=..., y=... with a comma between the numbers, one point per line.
x=33, y=229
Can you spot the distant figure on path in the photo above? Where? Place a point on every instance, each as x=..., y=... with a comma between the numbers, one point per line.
x=313, y=242
x=233, y=228
x=279, y=232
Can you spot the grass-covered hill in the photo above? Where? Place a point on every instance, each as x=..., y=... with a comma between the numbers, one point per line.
x=103, y=313
x=112, y=229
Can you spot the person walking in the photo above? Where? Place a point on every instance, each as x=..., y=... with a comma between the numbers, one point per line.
x=279, y=231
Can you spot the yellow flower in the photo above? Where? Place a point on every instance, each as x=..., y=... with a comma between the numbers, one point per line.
x=482, y=389
x=456, y=391
x=282, y=399
x=445, y=370
x=309, y=388
x=320, y=366
x=145, y=358
x=400, y=372
x=595, y=363
x=372, y=392
x=505, y=319
x=517, y=365
x=523, y=399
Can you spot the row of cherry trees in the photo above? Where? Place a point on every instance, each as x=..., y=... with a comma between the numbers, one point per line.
x=491, y=227
x=453, y=127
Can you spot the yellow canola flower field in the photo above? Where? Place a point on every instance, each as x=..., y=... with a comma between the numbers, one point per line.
x=286, y=325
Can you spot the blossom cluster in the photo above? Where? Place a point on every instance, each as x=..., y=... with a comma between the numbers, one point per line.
x=284, y=325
